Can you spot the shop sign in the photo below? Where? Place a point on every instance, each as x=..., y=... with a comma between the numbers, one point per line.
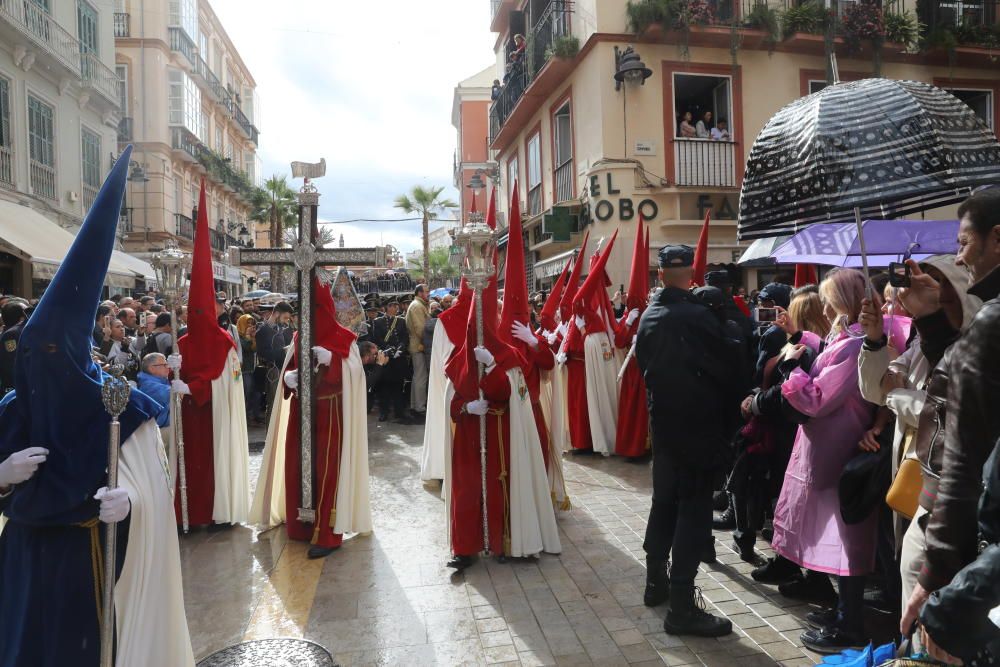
x=609, y=203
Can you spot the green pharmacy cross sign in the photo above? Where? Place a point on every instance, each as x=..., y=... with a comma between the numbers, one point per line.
x=559, y=224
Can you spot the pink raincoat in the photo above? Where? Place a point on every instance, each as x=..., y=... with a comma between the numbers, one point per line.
x=808, y=529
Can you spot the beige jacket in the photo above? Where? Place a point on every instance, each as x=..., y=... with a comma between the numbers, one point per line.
x=416, y=316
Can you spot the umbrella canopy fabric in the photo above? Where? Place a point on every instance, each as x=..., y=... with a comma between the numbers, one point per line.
x=440, y=292
x=837, y=243
x=889, y=148
x=759, y=252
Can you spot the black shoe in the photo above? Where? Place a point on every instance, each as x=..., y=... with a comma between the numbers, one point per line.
x=657, y=582
x=767, y=534
x=582, y=452
x=639, y=459
x=687, y=615
x=320, y=552
x=708, y=553
x=824, y=618
x=720, y=501
x=220, y=527
x=725, y=521
x=777, y=570
x=814, y=587
x=832, y=640
x=748, y=554
x=460, y=562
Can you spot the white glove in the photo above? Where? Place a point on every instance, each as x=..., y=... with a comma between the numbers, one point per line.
x=323, y=356
x=292, y=379
x=20, y=466
x=633, y=315
x=398, y=354
x=561, y=358
x=115, y=504
x=174, y=362
x=180, y=387
x=551, y=337
x=484, y=356
x=524, y=334
x=580, y=322
x=479, y=407
x=562, y=329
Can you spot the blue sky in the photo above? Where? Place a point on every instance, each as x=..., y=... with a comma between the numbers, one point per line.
x=368, y=86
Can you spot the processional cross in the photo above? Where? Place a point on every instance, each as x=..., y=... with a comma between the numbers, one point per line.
x=306, y=257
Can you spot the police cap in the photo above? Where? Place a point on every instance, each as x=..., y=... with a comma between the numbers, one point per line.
x=718, y=279
x=676, y=256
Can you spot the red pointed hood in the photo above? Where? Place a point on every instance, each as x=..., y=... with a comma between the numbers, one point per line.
x=491, y=212
x=639, y=273
x=461, y=367
x=547, y=318
x=701, y=254
x=592, y=296
x=456, y=318
x=515, y=285
x=205, y=346
x=566, y=302
x=327, y=331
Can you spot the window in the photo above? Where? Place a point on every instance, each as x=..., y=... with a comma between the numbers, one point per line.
x=121, y=71
x=512, y=169
x=535, y=174
x=248, y=104
x=184, y=101
x=40, y=136
x=86, y=26
x=90, y=151
x=562, y=141
x=6, y=141
x=203, y=127
x=178, y=195
x=816, y=86
x=704, y=153
x=184, y=13
x=707, y=100
x=980, y=101
x=203, y=45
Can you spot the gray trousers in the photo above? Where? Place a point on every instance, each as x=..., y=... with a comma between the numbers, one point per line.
x=418, y=388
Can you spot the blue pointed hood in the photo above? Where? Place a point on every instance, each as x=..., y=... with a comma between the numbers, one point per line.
x=57, y=399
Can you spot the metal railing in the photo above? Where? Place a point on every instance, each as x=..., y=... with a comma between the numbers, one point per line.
x=180, y=42
x=43, y=180
x=535, y=200
x=39, y=27
x=123, y=24
x=208, y=77
x=6, y=167
x=969, y=15
x=184, y=226
x=242, y=121
x=100, y=77
x=125, y=221
x=125, y=126
x=564, y=182
x=181, y=139
x=89, y=195
x=515, y=83
x=705, y=163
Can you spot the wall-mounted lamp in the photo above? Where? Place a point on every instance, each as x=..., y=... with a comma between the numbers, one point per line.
x=629, y=68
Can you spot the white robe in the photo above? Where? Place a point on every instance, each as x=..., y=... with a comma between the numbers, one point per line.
x=438, y=420
x=149, y=597
x=559, y=415
x=268, y=507
x=231, y=447
x=602, y=391
x=557, y=480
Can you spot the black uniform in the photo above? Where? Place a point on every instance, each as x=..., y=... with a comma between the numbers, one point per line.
x=390, y=335
x=692, y=387
x=8, y=353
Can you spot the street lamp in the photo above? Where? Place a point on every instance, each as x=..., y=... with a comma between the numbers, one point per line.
x=172, y=266
x=628, y=67
x=477, y=185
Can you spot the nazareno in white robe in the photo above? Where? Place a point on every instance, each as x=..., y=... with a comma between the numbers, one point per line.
x=602, y=366
x=432, y=462
x=231, y=447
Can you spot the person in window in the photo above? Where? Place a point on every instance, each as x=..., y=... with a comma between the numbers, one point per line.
x=704, y=126
x=686, y=129
x=497, y=89
x=721, y=131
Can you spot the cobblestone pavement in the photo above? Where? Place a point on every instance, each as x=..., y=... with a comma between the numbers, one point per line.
x=388, y=599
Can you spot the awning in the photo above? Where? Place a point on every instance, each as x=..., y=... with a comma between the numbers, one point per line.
x=226, y=273
x=140, y=267
x=26, y=233
x=552, y=266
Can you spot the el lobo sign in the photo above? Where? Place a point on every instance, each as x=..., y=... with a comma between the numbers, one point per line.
x=609, y=204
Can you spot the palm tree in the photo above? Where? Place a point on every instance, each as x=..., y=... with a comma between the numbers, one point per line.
x=440, y=269
x=275, y=204
x=427, y=202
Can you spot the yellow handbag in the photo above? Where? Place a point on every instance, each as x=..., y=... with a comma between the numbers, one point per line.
x=904, y=492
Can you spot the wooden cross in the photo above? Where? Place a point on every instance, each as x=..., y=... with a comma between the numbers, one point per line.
x=306, y=257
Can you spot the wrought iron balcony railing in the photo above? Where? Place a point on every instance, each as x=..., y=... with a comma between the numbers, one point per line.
x=183, y=226
x=6, y=167
x=180, y=42
x=38, y=26
x=564, y=182
x=705, y=163
x=43, y=180
x=123, y=24
x=125, y=130
x=100, y=77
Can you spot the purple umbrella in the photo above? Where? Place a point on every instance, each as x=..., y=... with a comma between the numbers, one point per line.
x=837, y=243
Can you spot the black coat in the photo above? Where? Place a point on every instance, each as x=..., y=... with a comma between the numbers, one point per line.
x=692, y=384
x=392, y=339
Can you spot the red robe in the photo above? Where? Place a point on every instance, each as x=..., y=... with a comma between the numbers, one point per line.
x=576, y=391
x=466, y=480
x=632, y=432
x=199, y=456
x=328, y=415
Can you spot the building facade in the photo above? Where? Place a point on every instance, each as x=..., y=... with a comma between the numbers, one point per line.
x=59, y=108
x=189, y=106
x=592, y=152
x=470, y=113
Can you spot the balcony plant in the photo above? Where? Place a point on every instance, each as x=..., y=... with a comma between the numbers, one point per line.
x=864, y=22
x=809, y=17
x=763, y=17
x=644, y=13
x=903, y=28
x=565, y=46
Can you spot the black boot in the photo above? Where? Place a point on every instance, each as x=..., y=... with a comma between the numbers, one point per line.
x=814, y=587
x=657, y=582
x=725, y=521
x=708, y=552
x=687, y=615
x=460, y=563
x=778, y=570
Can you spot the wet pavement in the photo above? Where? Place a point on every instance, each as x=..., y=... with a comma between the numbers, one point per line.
x=388, y=599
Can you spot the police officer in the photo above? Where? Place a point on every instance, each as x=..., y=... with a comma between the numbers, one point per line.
x=14, y=317
x=687, y=363
x=390, y=335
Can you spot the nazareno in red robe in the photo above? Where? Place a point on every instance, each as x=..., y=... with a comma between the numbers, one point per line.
x=632, y=433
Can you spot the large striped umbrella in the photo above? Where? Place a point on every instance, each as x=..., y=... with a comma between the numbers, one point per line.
x=875, y=148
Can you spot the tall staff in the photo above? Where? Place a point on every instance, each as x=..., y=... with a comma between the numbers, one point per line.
x=114, y=394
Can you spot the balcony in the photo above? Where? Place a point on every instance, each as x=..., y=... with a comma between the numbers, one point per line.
x=186, y=146
x=24, y=24
x=125, y=225
x=89, y=195
x=181, y=43
x=243, y=122
x=183, y=226
x=99, y=77
x=564, y=182
x=123, y=25
x=125, y=134
x=43, y=180
x=6, y=167
x=705, y=163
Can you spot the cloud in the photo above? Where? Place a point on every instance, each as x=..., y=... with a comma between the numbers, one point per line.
x=368, y=87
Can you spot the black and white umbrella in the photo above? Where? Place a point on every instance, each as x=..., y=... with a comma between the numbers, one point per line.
x=875, y=148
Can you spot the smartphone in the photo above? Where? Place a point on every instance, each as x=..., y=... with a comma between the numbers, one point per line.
x=142, y=320
x=767, y=314
x=899, y=274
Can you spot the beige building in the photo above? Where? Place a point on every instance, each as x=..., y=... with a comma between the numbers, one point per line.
x=589, y=152
x=59, y=107
x=190, y=108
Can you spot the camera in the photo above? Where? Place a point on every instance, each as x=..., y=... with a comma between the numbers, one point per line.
x=767, y=314
x=899, y=274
